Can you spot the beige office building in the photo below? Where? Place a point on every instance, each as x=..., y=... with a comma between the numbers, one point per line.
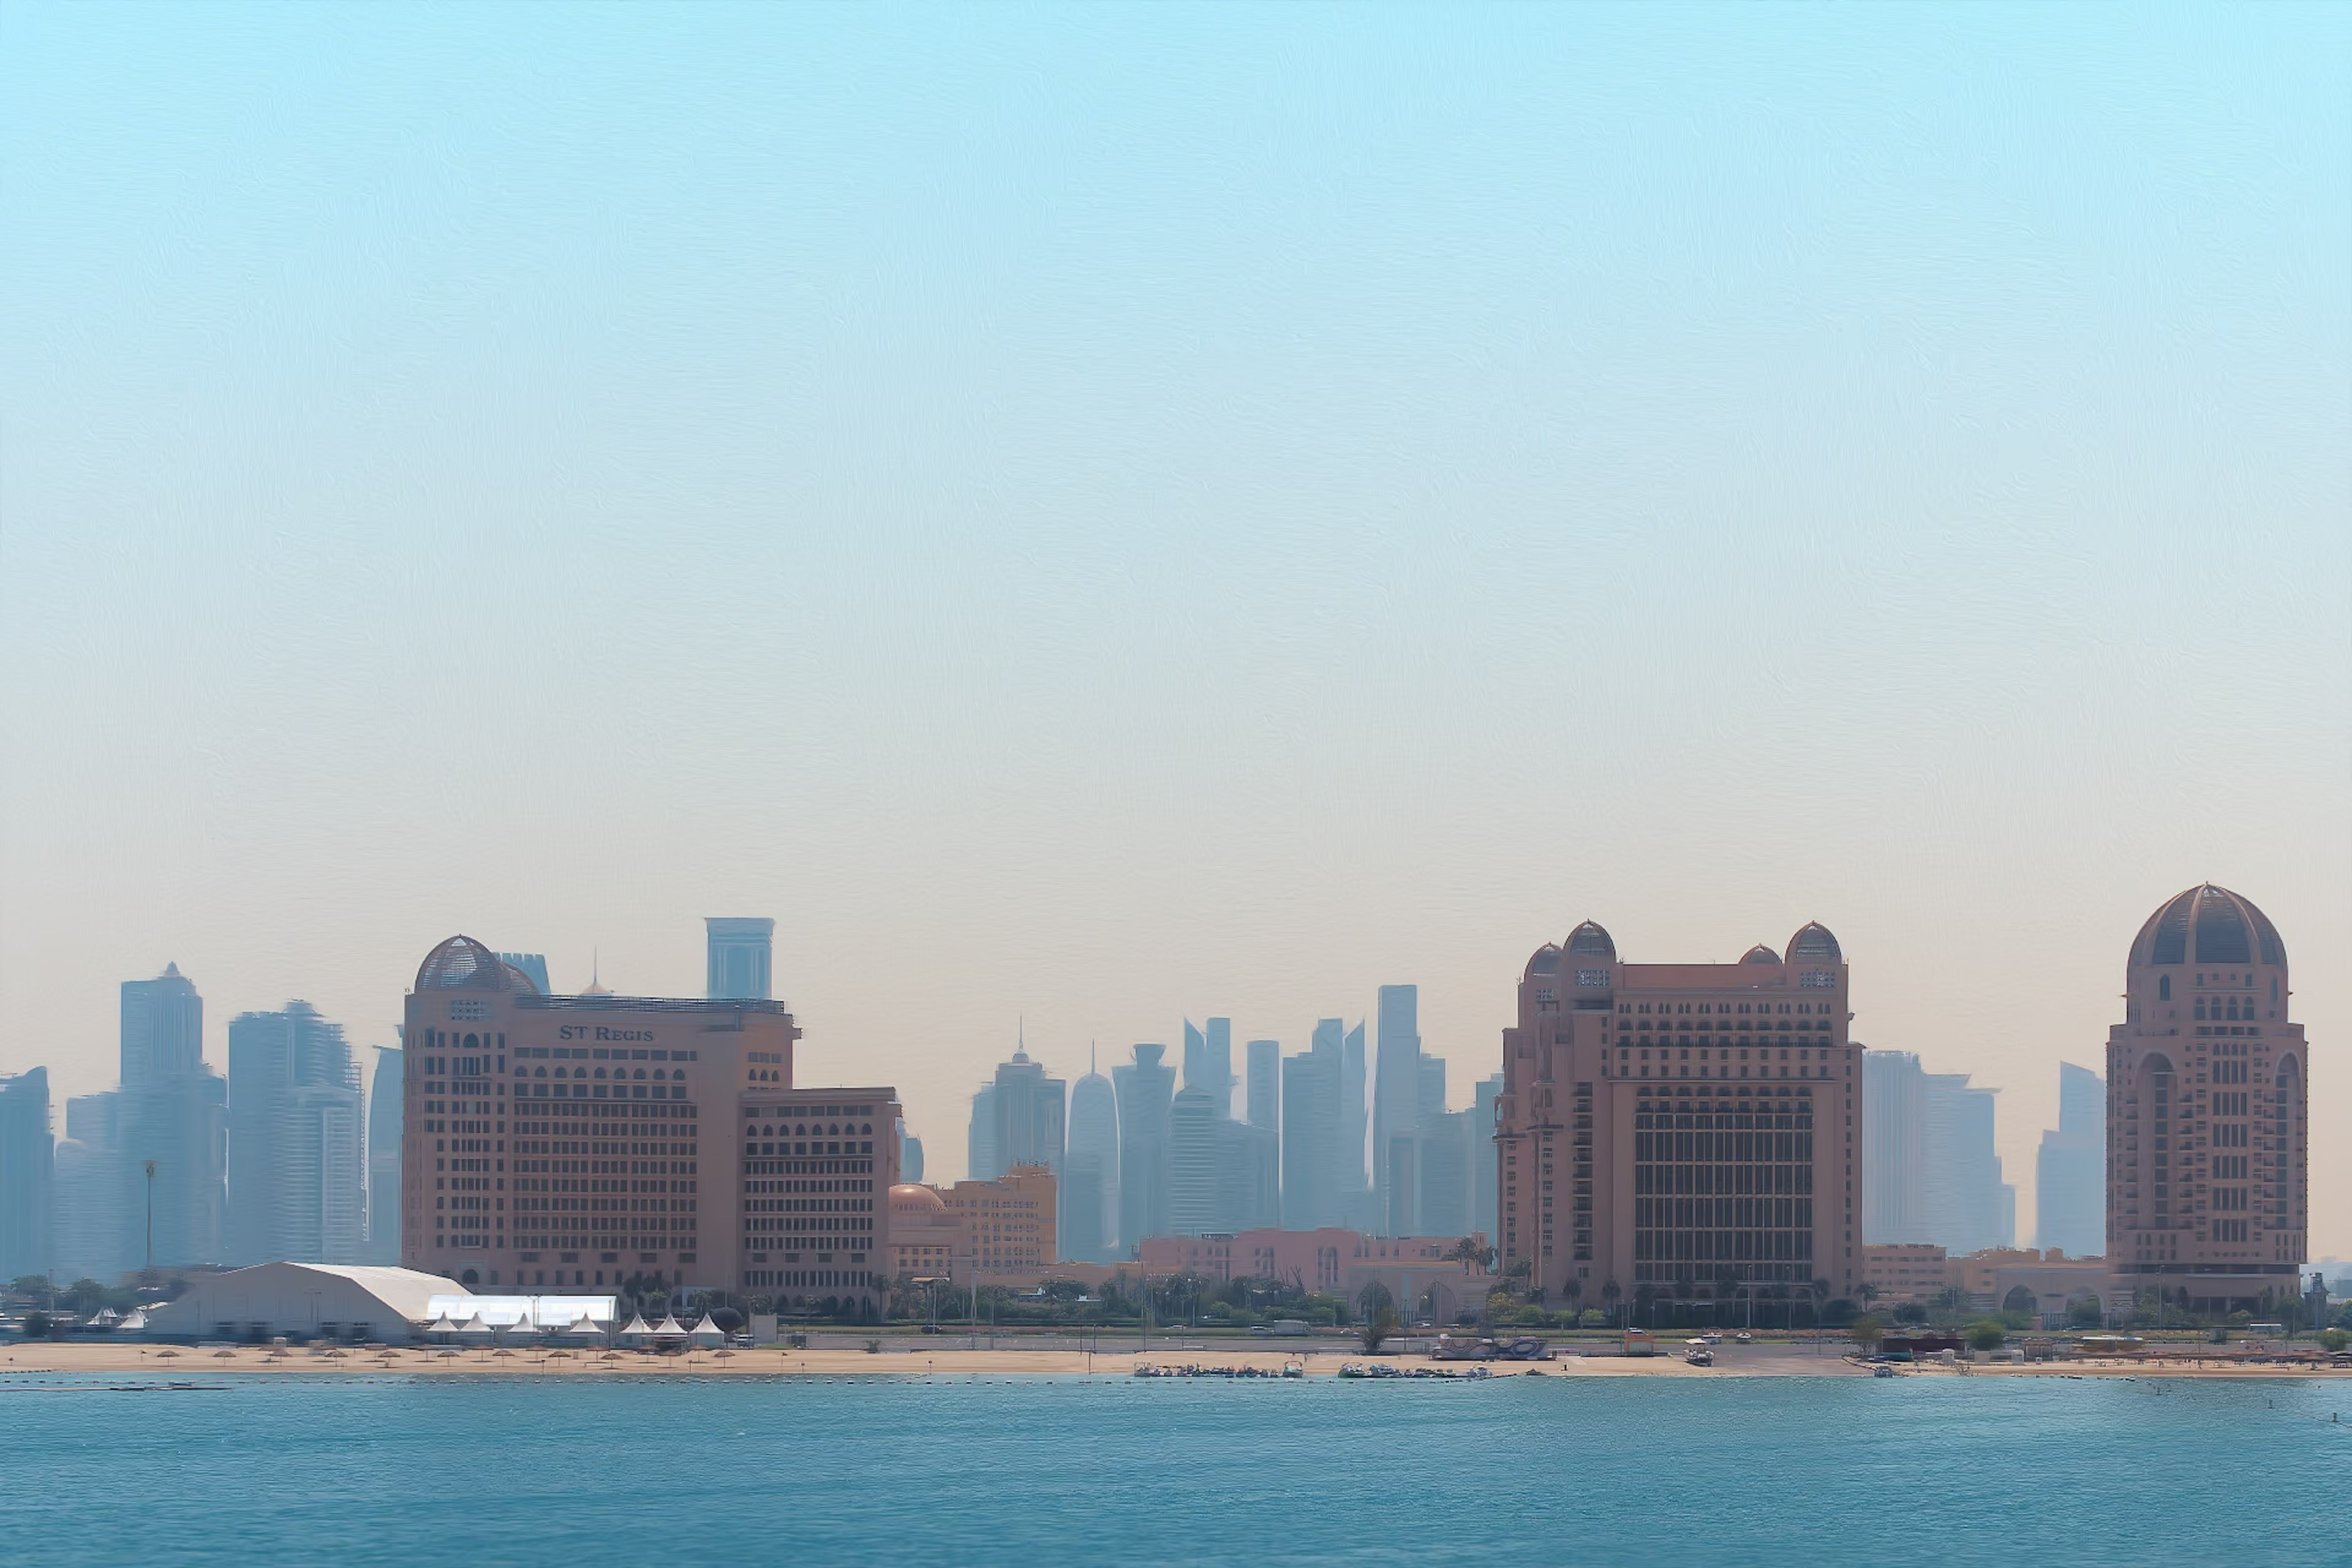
x=1681, y=1133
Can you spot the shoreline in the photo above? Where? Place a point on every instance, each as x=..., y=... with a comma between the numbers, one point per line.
x=182, y=1364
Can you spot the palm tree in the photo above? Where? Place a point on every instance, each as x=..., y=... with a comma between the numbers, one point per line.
x=1608, y=1293
x=1867, y=1291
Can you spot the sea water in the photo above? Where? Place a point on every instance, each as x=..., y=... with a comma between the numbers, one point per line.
x=1034, y=1471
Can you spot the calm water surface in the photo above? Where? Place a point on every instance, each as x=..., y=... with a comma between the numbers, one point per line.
x=1750, y=1471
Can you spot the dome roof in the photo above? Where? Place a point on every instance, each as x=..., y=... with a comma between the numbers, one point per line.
x=1545, y=961
x=2207, y=924
x=1759, y=954
x=1814, y=944
x=912, y=1200
x=521, y=979
x=461, y=963
x=1590, y=941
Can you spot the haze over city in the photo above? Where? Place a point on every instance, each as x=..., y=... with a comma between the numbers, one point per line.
x=1091, y=518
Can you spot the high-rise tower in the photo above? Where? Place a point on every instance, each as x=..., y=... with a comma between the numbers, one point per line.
x=1090, y=1206
x=2208, y=1128
x=1396, y=1079
x=1147, y=1088
x=742, y=953
x=2069, y=1174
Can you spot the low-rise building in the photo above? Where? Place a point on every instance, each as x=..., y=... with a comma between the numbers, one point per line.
x=1422, y=1275
x=995, y=1232
x=1904, y=1270
x=304, y=1300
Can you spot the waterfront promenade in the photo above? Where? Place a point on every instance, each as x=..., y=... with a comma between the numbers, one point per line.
x=915, y=1358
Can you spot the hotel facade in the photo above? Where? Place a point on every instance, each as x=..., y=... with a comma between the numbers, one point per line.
x=2208, y=1123
x=1680, y=1132
x=582, y=1141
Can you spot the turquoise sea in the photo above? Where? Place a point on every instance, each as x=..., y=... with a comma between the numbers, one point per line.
x=1750, y=1471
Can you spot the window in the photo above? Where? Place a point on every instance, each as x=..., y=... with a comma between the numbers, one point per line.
x=2164, y=987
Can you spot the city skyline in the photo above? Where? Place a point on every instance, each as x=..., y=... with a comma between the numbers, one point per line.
x=1293, y=508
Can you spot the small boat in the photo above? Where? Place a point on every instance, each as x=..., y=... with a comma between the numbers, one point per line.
x=1882, y=1370
x=1294, y=1369
x=1702, y=1356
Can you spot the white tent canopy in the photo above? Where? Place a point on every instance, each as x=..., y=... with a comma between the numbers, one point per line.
x=670, y=1328
x=708, y=1330
x=636, y=1328
x=583, y=1313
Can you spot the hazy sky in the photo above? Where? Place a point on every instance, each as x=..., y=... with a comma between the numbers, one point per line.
x=1099, y=514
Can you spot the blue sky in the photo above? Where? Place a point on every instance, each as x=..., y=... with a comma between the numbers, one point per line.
x=1102, y=513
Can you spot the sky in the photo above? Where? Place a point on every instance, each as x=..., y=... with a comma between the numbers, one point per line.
x=1091, y=516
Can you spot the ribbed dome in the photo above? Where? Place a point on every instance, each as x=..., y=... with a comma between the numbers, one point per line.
x=2207, y=924
x=1545, y=961
x=461, y=963
x=1590, y=941
x=1759, y=954
x=1814, y=944
x=913, y=1201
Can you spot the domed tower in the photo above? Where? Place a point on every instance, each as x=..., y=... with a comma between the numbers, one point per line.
x=2206, y=1122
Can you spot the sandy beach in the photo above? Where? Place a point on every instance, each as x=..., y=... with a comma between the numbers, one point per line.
x=915, y=1360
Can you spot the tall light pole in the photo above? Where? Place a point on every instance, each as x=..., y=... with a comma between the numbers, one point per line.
x=150, y=1219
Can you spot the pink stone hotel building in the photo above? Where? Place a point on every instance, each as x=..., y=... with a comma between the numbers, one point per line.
x=1681, y=1131
x=2207, y=1125
x=579, y=1142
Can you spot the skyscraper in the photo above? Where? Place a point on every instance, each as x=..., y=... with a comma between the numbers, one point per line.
x=1311, y=1084
x=296, y=1140
x=2070, y=1173
x=1146, y=1089
x=1090, y=1201
x=979, y=1159
x=1219, y=1077
x=1962, y=1202
x=88, y=1234
x=173, y=1113
x=1024, y=1111
x=1195, y=1162
x=1264, y=1107
x=1894, y=1148
x=740, y=959
x=1486, y=1215
x=384, y=1154
x=2208, y=1128
x=1359, y=1203
x=27, y=1162
x=1396, y=1102
x=1631, y=1088
x=162, y=1028
x=910, y=1156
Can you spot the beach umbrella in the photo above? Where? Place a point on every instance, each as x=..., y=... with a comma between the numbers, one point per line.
x=222, y=1354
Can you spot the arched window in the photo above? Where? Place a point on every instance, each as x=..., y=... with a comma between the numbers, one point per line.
x=542, y=1073
x=599, y=1072
x=661, y=1072
x=641, y=1072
